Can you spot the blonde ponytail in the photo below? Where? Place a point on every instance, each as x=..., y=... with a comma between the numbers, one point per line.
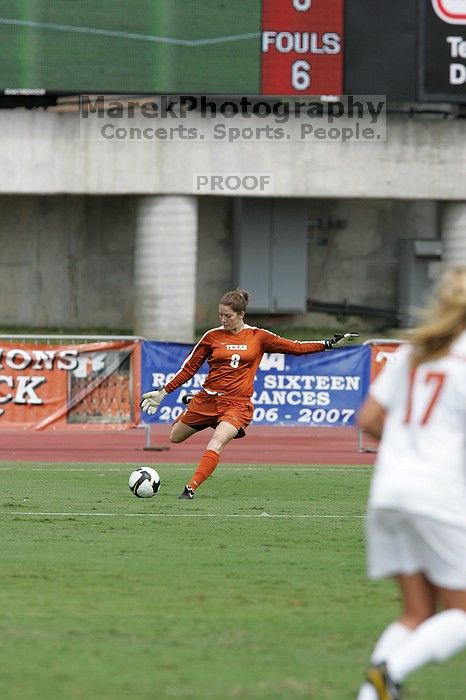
x=445, y=318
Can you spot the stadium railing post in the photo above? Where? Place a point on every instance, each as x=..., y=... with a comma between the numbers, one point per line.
x=149, y=446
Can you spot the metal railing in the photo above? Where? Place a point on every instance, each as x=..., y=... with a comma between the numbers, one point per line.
x=69, y=338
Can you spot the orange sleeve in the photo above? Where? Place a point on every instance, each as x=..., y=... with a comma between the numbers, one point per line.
x=274, y=343
x=193, y=362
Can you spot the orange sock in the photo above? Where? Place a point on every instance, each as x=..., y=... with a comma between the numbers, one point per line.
x=206, y=466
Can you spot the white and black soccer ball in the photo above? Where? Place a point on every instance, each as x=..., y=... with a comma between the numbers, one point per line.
x=144, y=482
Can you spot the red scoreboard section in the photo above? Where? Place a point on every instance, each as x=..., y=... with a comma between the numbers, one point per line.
x=302, y=47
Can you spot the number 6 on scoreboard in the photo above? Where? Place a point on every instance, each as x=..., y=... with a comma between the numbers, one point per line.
x=301, y=75
x=302, y=5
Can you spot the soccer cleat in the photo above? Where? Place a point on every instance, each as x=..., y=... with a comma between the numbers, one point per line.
x=385, y=686
x=187, y=493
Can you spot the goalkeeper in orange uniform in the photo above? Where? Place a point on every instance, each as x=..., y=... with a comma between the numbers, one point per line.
x=233, y=351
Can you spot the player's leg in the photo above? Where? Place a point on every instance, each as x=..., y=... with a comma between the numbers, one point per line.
x=223, y=433
x=418, y=599
x=453, y=599
x=391, y=638
x=418, y=603
x=437, y=639
x=181, y=432
x=441, y=635
x=390, y=548
x=198, y=416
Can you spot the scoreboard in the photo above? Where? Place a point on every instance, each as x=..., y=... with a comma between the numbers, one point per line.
x=408, y=50
x=270, y=47
x=302, y=47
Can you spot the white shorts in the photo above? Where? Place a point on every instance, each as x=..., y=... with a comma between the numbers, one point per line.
x=404, y=543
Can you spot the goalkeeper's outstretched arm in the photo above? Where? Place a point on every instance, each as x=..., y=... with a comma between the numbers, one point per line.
x=340, y=339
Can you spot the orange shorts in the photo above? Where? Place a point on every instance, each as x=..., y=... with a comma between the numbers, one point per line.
x=207, y=411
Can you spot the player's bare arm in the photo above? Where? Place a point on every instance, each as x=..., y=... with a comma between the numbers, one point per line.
x=372, y=417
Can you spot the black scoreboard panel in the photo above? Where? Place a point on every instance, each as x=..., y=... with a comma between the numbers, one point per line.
x=408, y=50
x=442, y=50
x=380, y=48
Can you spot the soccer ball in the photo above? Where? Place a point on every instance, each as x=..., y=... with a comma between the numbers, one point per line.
x=144, y=482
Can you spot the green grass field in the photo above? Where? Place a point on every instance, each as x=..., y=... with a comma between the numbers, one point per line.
x=149, y=46
x=255, y=589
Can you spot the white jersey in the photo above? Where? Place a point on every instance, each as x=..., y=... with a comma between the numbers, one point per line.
x=421, y=463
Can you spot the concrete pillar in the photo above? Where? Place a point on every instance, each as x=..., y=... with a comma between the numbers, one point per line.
x=454, y=233
x=165, y=268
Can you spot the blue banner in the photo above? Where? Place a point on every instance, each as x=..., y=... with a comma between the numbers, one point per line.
x=321, y=389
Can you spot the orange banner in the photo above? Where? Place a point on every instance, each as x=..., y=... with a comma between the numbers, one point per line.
x=90, y=385
x=380, y=353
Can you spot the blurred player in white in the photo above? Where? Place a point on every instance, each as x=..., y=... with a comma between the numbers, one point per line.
x=416, y=526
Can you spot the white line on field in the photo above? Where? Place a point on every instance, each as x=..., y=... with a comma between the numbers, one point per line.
x=127, y=35
x=160, y=467
x=185, y=515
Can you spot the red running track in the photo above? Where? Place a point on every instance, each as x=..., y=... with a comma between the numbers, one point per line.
x=274, y=445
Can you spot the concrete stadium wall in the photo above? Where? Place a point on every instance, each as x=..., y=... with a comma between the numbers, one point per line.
x=66, y=262
x=357, y=264
x=70, y=211
x=215, y=257
x=360, y=263
x=42, y=153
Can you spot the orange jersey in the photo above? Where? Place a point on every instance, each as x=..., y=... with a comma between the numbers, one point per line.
x=235, y=357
